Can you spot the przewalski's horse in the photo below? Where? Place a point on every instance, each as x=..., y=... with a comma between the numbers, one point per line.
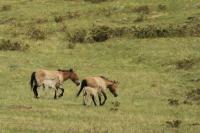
x=52, y=79
x=101, y=83
x=90, y=92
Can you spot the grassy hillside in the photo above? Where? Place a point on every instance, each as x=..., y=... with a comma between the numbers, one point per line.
x=151, y=47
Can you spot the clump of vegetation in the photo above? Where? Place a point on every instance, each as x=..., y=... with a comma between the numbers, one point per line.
x=173, y=101
x=36, y=34
x=187, y=102
x=162, y=7
x=96, y=1
x=73, y=15
x=145, y=9
x=186, y=63
x=58, y=19
x=41, y=20
x=5, y=8
x=174, y=123
x=140, y=18
x=71, y=45
x=76, y=36
x=100, y=33
x=115, y=106
x=6, y=44
x=193, y=94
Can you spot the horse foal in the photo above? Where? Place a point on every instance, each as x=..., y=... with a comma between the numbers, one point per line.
x=90, y=92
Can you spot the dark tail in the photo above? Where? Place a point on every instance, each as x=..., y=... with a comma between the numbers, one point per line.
x=33, y=80
x=83, y=84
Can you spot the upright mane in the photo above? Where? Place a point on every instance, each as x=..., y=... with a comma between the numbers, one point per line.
x=113, y=81
x=60, y=70
x=106, y=78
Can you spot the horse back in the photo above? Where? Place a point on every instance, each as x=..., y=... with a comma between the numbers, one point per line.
x=42, y=75
x=96, y=82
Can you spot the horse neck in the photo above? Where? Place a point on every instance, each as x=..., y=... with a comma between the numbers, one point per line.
x=66, y=75
x=108, y=83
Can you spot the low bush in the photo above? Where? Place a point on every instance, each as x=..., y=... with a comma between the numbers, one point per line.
x=5, y=8
x=58, y=19
x=100, y=33
x=6, y=45
x=145, y=9
x=96, y=1
x=36, y=34
x=76, y=35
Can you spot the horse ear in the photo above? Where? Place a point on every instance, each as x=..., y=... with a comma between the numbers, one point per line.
x=71, y=70
x=116, y=82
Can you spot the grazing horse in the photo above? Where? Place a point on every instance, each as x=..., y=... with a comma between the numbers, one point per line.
x=52, y=79
x=100, y=83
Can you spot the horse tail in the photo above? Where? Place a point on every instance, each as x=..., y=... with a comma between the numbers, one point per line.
x=33, y=80
x=83, y=84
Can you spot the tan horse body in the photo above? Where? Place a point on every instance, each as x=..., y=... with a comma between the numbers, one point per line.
x=52, y=79
x=89, y=92
x=99, y=83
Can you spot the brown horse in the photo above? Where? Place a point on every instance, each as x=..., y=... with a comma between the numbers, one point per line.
x=100, y=83
x=52, y=79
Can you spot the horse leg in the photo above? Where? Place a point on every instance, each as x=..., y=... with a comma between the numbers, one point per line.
x=35, y=91
x=93, y=99
x=84, y=98
x=55, y=95
x=105, y=98
x=99, y=96
x=62, y=89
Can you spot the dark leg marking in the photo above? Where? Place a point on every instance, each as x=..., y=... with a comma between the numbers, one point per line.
x=61, y=92
x=105, y=98
x=99, y=96
x=94, y=100
x=55, y=96
x=35, y=91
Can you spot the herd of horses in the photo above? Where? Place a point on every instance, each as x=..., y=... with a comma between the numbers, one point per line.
x=92, y=87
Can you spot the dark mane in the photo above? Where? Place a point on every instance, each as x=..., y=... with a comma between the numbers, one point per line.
x=61, y=70
x=108, y=79
x=105, y=78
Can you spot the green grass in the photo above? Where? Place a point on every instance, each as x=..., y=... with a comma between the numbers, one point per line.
x=147, y=69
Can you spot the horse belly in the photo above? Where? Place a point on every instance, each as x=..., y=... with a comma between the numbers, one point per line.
x=49, y=83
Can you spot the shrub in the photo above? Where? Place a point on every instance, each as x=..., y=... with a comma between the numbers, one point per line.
x=58, y=19
x=174, y=123
x=5, y=8
x=95, y=1
x=36, y=34
x=142, y=9
x=73, y=15
x=41, y=20
x=100, y=33
x=185, y=63
x=162, y=7
x=193, y=94
x=71, y=45
x=12, y=45
x=140, y=18
x=77, y=35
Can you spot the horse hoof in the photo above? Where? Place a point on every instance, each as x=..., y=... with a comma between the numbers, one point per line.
x=60, y=96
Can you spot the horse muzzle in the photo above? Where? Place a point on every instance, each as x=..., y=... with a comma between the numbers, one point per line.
x=115, y=95
x=77, y=82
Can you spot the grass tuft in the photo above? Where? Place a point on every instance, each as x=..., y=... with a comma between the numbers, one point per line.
x=6, y=44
